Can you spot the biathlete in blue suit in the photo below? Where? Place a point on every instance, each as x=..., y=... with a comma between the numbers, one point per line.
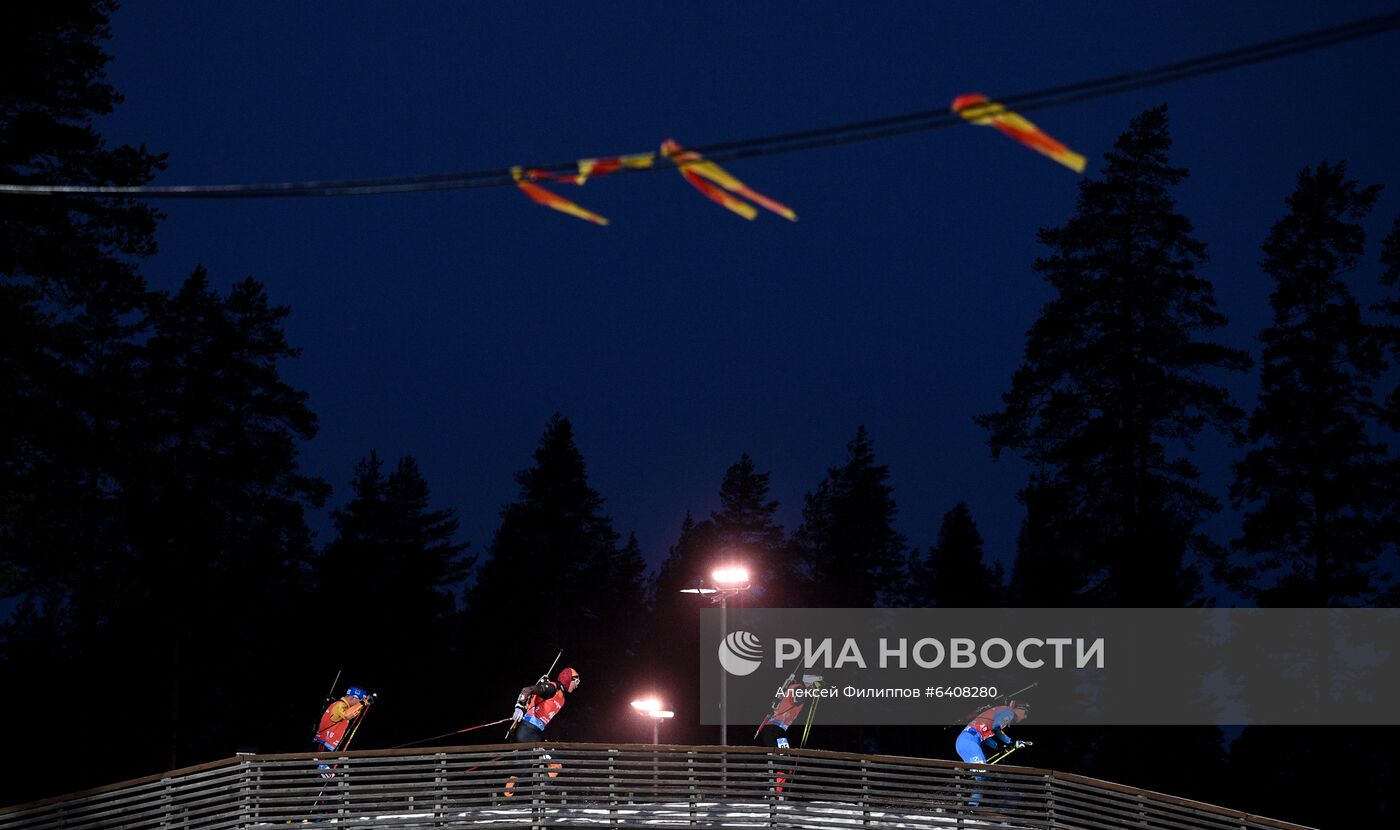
x=985, y=733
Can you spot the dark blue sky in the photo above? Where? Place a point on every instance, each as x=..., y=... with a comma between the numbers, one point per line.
x=451, y=325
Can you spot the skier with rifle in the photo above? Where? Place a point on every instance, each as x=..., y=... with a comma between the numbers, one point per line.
x=985, y=733
x=787, y=707
x=338, y=718
x=537, y=705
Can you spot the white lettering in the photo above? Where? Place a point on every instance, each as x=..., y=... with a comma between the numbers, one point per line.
x=919, y=653
x=886, y=652
x=786, y=649
x=1021, y=653
x=850, y=653
x=1095, y=648
x=1005, y=651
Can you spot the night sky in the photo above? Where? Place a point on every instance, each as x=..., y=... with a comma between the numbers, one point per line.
x=450, y=326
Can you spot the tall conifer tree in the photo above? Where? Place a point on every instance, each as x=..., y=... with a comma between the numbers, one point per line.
x=1314, y=483
x=1390, y=307
x=847, y=544
x=557, y=577
x=745, y=522
x=1115, y=383
x=955, y=573
x=70, y=299
x=669, y=662
x=393, y=572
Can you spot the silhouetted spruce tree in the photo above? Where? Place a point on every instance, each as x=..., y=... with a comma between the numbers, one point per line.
x=70, y=315
x=557, y=578
x=214, y=515
x=70, y=297
x=745, y=522
x=955, y=573
x=1115, y=385
x=669, y=665
x=847, y=545
x=393, y=573
x=1313, y=484
x=1390, y=308
x=1048, y=571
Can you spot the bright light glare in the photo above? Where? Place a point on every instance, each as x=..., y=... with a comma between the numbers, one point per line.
x=649, y=704
x=662, y=713
x=731, y=575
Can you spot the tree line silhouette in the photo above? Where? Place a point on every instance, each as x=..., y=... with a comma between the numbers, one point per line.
x=170, y=605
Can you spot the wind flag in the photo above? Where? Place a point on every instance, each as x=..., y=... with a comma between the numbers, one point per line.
x=540, y=196
x=602, y=167
x=595, y=168
x=978, y=110
x=700, y=173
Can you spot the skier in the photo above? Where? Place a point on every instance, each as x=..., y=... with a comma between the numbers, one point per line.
x=537, y=705
x=786, y=710
x=985, y=733
x=338, y=717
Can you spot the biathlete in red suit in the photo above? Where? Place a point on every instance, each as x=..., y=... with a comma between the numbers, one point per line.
x=537, y=705
x=786, y=712
x=336, y=720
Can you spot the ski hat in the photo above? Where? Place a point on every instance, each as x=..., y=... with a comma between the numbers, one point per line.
x=569, y=679
x=356, y=691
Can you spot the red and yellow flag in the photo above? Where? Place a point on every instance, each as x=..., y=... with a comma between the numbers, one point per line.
x=978, y=110
x=612, y=164
x=540, y=196
x=701, y=174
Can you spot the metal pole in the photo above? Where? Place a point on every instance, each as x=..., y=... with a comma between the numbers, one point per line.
x=723, y=675
x=655, y=735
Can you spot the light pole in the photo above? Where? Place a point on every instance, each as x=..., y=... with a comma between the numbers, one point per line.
x=728, y=580
x=651, y=708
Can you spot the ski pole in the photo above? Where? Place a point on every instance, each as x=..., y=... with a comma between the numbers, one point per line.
x=345, y=747
x=1018, y=691
x=543, y=678
x=447, y=734
x=807, y=727
x=1001, y=756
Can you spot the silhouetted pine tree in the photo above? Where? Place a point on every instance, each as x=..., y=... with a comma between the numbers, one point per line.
x=669, y=666
x=744, y=522
x=955, y=573
x=1390, y=307
x=1115, y=384
x=1313, y=483
x=214, y=513
x=70, y=296
x=557, y=578
x=392, y=573
x=70, y=315
x=1048, y=571
x=847, y=545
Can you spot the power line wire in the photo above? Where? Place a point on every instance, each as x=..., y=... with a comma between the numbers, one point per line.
x=791, y=142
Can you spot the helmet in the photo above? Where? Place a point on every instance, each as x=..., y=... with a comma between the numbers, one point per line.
x=356, y=691
x=569, y=679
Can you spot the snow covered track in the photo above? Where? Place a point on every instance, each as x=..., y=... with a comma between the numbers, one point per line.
x=510, y=786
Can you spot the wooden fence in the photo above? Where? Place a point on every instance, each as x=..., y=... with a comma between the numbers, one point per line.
x=514, y=785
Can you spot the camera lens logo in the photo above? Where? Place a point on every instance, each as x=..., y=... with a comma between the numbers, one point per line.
x=740, y=653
